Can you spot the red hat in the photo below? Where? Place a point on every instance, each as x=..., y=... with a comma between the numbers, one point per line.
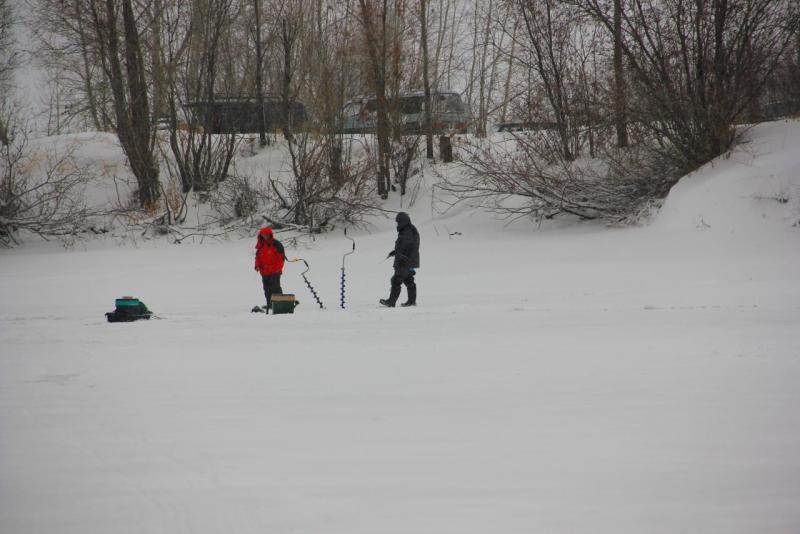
x=264, y=236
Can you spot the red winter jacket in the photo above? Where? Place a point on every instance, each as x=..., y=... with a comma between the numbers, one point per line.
x=269, y=253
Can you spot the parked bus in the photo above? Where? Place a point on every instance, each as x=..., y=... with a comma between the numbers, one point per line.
x=448, y=113
x=240, y=115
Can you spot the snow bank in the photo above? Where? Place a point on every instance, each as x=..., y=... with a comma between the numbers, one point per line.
x=753, y=189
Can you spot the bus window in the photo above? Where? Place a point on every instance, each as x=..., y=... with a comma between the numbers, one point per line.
x=411, y=104
x=351, y=109
x=453, y=104
x=370, y=107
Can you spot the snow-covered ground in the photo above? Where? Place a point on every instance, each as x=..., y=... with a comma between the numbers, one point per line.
x=580, y=380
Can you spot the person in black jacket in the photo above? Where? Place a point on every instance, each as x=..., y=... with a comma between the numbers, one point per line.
x=406, y=261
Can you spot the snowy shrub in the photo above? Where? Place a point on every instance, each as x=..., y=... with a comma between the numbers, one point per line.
x=40, y=190
x=405, y=151
x=201, y=160
x=523, y=174
x=326, y=184
x=239, y=197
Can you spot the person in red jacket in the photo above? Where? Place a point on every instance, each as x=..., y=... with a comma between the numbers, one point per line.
x=270, y=256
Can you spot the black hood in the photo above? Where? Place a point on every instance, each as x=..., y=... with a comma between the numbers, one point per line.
x=402, y=220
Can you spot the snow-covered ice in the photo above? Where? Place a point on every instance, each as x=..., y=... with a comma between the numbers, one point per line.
x=579, y=380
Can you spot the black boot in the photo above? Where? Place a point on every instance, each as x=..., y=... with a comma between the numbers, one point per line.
x=393, y=294
x=412, y=297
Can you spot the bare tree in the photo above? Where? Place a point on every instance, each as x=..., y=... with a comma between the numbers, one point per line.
x=428, y=128
x=129, y=89
x=330, y=41
x=8, y=60
x=373, y=16
x=290, y=30
x=203, y=159
x=590, y=93
x=259, y=46
x=783, y=89
x=526, y=176
x=447, y=30
x=509, y=74
x=156, y=16
x=70, y=52
x=324, y=182
x=482, y=39
x=548, y=27
x=696, y=66
x=620, y=93
x=313, y=198
x=40, y=191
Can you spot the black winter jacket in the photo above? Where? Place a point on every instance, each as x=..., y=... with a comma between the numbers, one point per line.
x=406, y=248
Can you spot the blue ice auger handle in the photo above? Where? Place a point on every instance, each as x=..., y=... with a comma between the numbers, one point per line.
x=341, y=299
x=343, y=274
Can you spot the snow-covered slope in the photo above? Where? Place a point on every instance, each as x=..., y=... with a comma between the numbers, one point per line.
x=756, y=185
x=581, y=380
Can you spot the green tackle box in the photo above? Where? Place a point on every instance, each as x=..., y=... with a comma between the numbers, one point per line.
x=127, y=302
x=128, y=309
x=283, y=303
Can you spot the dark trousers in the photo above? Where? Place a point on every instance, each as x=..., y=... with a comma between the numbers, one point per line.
x=272, y=286
x=403, y=276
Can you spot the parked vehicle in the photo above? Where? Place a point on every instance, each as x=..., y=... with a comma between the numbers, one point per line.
x=782, y=108
x=448, y=114
x=240, y=115
x=523, y=126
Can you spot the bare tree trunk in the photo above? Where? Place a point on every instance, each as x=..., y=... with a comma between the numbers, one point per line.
x=130, y=103
x=441, y=33
x=202, y=157
x=507, y=90
x=289, y=30
x=620, y=94
x=331, y=91
x=141, y=121
x=262, y=134
x=423, y=15
x=548, y=55
x=160, y=84
x=496, y=53
x=87, y=73
x=482, y=104
x=376, y=49
x=474, y=60
x=724, y=136
x=200, y=10
x=452, y=53
x=8, y=62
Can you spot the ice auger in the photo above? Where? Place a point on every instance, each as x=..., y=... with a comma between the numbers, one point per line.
x=310, y=287
x=343, y=260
